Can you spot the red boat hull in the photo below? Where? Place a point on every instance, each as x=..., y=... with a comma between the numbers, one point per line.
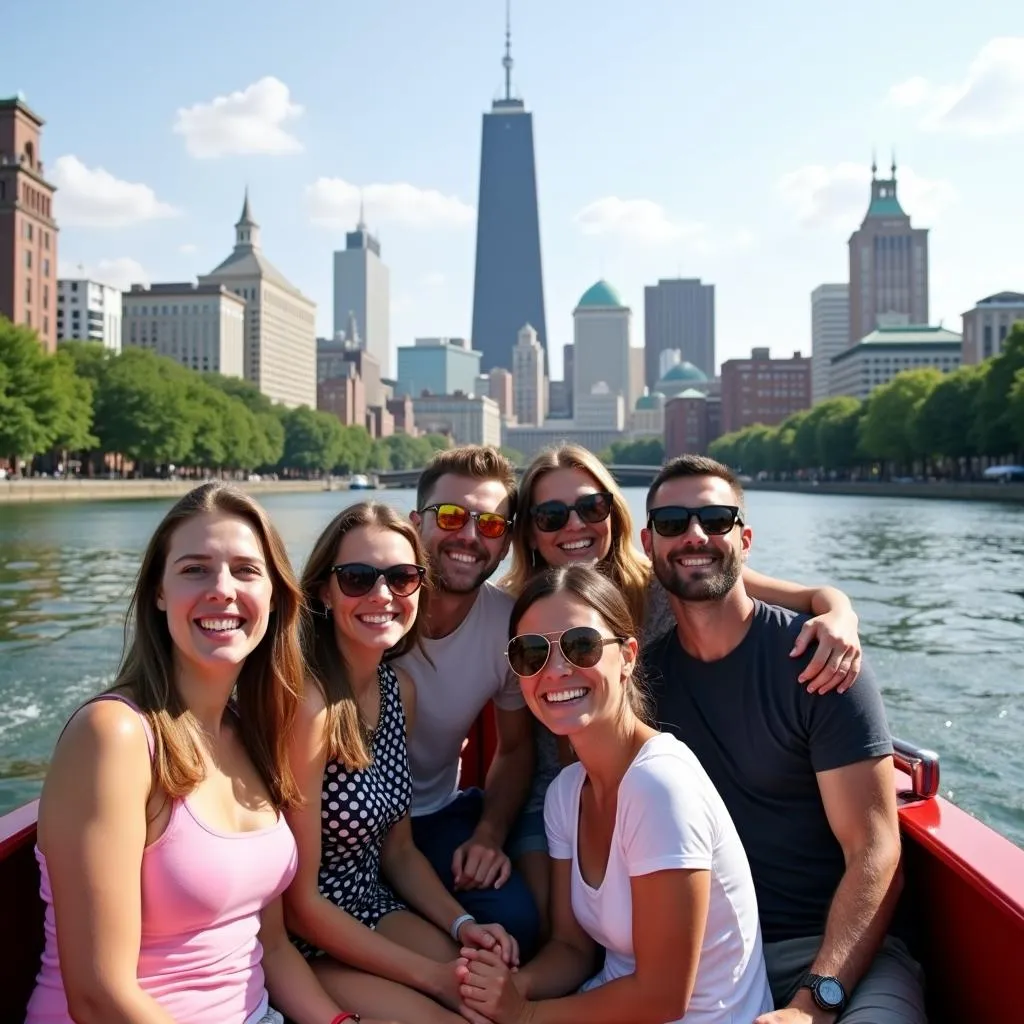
x=964, y=898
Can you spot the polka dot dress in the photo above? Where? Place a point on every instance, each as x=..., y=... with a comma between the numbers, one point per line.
x=358, y=809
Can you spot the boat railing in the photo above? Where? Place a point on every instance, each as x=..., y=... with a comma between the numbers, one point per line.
x=921, y=764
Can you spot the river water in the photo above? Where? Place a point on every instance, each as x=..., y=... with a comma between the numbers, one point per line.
x=939, y=587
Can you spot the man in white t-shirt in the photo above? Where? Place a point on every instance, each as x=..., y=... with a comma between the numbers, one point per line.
x=465, y=504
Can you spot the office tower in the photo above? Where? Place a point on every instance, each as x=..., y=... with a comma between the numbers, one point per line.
x=28, y=232
x=888, y=264
x=89, y=311
x=528, y=376
x=362, y=294
x=200, y=326
x=437, y=366
x=280, y=322
x=508, y=289
x=679, y=313
x=830, y=333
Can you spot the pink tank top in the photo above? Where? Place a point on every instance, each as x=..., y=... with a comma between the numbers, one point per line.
x=202, y=894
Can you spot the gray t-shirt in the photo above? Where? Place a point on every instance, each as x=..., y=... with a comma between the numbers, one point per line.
x=761, y=738
x=469, y=669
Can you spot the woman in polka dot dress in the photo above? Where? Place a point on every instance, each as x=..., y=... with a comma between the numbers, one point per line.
x=359, y=869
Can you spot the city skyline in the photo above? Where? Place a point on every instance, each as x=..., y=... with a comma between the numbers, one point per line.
x=756, y=187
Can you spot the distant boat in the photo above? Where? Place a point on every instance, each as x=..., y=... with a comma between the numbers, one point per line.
x=360, y=482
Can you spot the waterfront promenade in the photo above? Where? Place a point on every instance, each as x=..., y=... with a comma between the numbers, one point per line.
x=16, y=492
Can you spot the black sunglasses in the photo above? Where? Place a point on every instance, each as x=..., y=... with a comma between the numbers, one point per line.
x=581, y=646
x=491, y=525
x=674, y=520
x=356, y=579
x=549, y=516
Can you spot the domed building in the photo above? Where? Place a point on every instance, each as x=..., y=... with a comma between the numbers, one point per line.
x=682, y=377
x=649, y=414
x=602, y=350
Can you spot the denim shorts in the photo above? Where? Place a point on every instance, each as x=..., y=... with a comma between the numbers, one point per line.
x=527, y=835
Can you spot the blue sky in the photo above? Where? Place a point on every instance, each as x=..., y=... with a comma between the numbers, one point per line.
x=725, y=141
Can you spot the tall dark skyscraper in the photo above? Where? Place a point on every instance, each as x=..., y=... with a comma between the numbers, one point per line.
x=508, y=290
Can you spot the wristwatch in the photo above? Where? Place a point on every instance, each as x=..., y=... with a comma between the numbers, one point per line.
x=828, y=992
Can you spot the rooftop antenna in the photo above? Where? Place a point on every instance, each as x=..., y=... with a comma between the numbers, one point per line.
x=894, y=164
x=874, y=164
x=361, y=226
x=507, y=60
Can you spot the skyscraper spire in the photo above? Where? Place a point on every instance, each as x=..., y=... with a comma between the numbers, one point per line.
x=894, y=165
x=507, y=60
x=874, y=165
x=361, y=226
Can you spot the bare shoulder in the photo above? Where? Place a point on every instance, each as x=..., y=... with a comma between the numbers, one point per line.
x=313, y=706
x=109, y=728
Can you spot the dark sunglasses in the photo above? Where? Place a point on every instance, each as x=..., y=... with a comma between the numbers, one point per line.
x=581, y=646
x=549, y=516
x=491, y=525
x=356, y=579
x=674, y=520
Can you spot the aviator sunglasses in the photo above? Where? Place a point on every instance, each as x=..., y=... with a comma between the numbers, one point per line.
x=581, y=646
x=550, y=516
x=491, y=525
x=674, y=520
x=357, y=579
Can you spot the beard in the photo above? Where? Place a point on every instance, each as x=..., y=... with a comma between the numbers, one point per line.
x=467, y=581
x=712, y=583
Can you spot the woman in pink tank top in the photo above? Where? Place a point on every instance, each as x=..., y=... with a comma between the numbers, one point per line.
x=162, y=845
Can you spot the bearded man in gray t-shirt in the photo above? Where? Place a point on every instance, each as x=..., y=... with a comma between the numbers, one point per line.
x=807, y=778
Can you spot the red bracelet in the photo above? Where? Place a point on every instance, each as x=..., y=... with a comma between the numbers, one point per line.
x=342, y=1017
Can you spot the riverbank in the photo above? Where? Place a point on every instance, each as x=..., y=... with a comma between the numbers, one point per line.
x=19, y=492
x=936, y=491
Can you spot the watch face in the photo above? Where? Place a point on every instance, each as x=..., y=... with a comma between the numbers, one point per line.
x=830, y=992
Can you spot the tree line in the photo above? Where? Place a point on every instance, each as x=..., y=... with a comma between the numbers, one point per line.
x=921, y=422
x=91, y=410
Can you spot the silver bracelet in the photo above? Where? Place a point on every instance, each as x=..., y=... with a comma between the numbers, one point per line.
x=458, y=923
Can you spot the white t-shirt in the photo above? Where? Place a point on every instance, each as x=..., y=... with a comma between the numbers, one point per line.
x=469, y=669
x=669, y=816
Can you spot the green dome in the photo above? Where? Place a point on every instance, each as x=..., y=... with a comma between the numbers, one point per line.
x=655, y=400
x=599, y=295
x=685, y=372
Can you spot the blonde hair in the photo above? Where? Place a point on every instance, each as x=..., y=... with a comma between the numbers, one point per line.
x=346, y=740
x=627, y=567
x=268, y=688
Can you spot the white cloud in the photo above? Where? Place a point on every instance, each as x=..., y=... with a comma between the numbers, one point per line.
x=188, y=249
x=838, y=196
x=335, y=203
x=988, y=101
x=242, y=123
x=121, y=272
x=93, y=197
x=634, y=220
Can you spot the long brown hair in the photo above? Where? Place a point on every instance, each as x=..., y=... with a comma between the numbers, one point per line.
x=346, y=741
x=268, y=688
x=628, y=567
x=593, y=587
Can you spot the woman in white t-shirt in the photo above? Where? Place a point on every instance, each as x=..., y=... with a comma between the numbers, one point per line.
x=646, y=860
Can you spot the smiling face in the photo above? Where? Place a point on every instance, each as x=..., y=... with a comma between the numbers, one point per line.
x=695, y=566
x=562, y=696
x=463, y=559
x=217, y=593
x=379, y=619
x=577, y=541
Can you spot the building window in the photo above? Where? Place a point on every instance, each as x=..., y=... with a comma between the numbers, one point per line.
x=46, y=325
x=28, y=259
x=46, y=296
x=28, y=291
x=46, y=239
x=46, y=268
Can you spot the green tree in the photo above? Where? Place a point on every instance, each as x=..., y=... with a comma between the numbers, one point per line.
x=944, y=425
x=73, y=407
x=838, y=432
x=888, y=432
x=312, y=440
x=993, y=433
x=516, y=457
x=143, y=409
x=39, y=400
x=645, y=451
x=1016, y=408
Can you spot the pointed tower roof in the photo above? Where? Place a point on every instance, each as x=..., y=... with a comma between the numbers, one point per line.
x=246, y=218
x=884, y=201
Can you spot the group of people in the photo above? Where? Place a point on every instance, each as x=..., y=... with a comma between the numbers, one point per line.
x=689, y=815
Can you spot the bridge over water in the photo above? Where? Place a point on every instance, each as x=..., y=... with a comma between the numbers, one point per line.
x=625, y=476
